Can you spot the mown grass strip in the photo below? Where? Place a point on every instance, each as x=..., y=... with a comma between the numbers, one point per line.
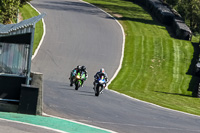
x=28, y=12
x=156, y=67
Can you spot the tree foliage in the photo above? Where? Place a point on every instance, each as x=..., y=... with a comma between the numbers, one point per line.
x=189, y=10
x=172, y=2
x=9, y=10
x=194, y=14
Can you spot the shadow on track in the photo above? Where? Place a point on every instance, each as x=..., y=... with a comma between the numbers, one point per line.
x=83, y=91
x=87, y=92
x=73, y=7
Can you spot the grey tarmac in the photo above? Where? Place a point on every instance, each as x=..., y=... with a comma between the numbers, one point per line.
x=80, y=34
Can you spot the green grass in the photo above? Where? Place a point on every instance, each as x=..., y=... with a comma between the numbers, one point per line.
x=28, y=12
x=156, y=67
x=196, y=38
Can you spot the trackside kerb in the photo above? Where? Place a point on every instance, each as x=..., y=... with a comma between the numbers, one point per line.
x=54, y=123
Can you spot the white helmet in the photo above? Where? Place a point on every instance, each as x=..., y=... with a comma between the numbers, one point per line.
x=102, y=70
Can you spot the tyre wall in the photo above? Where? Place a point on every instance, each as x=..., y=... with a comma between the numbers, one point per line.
x=168, y=17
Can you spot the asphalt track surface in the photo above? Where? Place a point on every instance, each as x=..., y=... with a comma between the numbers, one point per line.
x=80, y=34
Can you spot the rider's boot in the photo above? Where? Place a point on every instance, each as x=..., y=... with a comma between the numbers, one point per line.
x=71, y=82
x=101, y=91
x=82, y=83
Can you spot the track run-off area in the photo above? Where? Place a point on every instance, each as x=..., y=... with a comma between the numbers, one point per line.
x=78, y=33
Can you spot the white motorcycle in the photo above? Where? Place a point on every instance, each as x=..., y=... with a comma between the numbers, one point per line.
x=99, y=85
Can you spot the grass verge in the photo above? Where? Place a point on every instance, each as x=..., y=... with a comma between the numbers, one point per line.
x=156, y=67
x=28, y=12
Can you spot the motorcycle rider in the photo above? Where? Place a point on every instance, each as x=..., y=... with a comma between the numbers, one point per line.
x=73, y=74
x=83, y=70
x=99, y=74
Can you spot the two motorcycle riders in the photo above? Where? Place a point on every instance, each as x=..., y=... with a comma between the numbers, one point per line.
x=82, y=69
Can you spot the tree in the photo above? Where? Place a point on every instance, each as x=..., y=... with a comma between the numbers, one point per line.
x=172, y=2
x=190, y=11
x=194, y=14
x=182, y=8
x=8, y=10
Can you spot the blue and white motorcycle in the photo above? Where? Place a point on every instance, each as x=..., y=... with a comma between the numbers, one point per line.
x=99, y=85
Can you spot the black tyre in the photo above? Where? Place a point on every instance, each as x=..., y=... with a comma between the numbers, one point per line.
x=97, y=91
x=77, y=85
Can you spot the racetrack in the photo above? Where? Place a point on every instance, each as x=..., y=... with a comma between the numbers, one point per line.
x=80, y=34
x=16, y=127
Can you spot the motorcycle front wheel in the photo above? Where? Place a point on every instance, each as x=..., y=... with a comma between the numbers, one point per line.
x=77, y=85
x=97, y=91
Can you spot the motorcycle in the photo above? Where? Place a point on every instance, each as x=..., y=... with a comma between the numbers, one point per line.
x=72, y=77
x=99, y=85
x=78, y=81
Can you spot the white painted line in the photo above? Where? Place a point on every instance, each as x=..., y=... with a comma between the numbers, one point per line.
x=44, y=33
x=146, y=126
x=155, y=105
x=78, y=123
x=59, y=131
x=123, y=43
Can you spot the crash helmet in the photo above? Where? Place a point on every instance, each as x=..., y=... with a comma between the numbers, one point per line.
x=102, y=70
x=83, y=68
x=78, y=67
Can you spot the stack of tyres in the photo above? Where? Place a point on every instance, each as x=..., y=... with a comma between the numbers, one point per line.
x=166, y=16
x=182, y=30
x=198, y=91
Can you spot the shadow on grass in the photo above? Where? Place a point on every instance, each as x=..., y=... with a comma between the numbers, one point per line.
x=129, y=14
x=136, y=13
x=195, y=80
